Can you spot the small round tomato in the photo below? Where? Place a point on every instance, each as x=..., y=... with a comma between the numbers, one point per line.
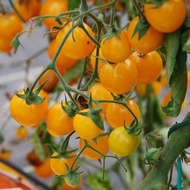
x=5, y=45
x=121, y=142
x=78, y=45
x=28, y=8
x=85, y=127
x=28, y=115
x=149, y=66
x=10, y=25
x=117, y=114
x=21, y=132
x=44, y=170
x=92, y=59
x=51, y=80
x=119, y=78
x=98, y=92
x=150, y=41
x=5, y=154
x=62, y=62
x=53, y=8
x=67, y=187
x=57, y=121
x=58, y=165
x=100, y=144
x=171, y=13
x=116, y=49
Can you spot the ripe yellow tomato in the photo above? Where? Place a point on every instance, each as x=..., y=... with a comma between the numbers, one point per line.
x=117, y=114
x=116, y=49
x=57, y=121
x=21, y=132
x=98, y=92
x=149, y=66
x=10, y=25
x=100, y=144
x=150, y=41
x=58, y=165
x=78, y=47
x=171, y=13
x=53, y=8
x=119, y=78
x=28, y=115
x=5, y=45
x=85, y=127
x=122, y=143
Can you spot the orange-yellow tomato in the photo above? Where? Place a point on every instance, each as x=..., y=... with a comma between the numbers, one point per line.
x=117, y=114
x=57, y=121
x=58, y=165
x=85, y=127
x=6, y=155
x=62, y=62
x=98, y=92
x=116, y=49
x=171, y=13
x=149, y=66
x=78, y=45
x=10, y=25
x=21, y=132
x=53, y=8
x=28, y=115
x=27, y=9
x=119, y=78
x=150, y=41
x=44, y=170
x=100, y=144
x=5, y=45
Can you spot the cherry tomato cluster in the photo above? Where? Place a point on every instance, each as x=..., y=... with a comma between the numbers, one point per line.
x=118, y=60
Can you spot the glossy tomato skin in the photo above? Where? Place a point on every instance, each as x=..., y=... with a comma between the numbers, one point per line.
x=79, y=47
x=10, y=25
x=98, y=92
x=58, y=165
x=57, y=121
x=116, y=49
x=149, y=66
x=171, y=13
x=118, y=78
x=117, y=114
x=28, y=115
x=51, y=80
x=28, y=9
x=150, y=41
x=53, y=7
x=121, y=143
x=85, y=127
x=101, y=145
x=62, y=62
x=5, y=45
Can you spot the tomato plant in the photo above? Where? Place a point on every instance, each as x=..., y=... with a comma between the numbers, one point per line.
x=96, y=94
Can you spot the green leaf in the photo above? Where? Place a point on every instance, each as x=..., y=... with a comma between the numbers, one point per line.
x=186, y=46
x=141, y=28
x=16, y=44
x=187, y=20
x=1, y=138
x=178, y=83
x=38, y=146
x=73, y=4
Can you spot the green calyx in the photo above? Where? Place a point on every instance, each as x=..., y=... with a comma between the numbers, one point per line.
x=72, y=178
x=111, y=31
x=157, y=3
x=70, y=109
x=32, y=97
x=94, y=114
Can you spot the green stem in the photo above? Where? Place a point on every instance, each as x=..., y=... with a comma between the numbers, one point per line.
x=158, y=175
x=16, y=11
